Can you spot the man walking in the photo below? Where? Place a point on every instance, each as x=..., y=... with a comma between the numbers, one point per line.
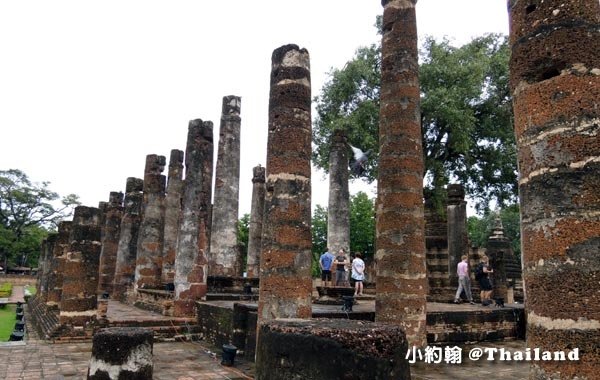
x=464, y=282
x=325, y=263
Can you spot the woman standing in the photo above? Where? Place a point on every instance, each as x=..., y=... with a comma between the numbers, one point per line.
x=358, y=274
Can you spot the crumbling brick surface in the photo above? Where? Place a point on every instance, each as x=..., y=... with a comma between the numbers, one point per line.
x=128, y=238
x=225, y=255
x=555, y=78
x=293, y=349
x=256, y=221
x=172, y=215
x=151, y=233
x=55, y=281
x=338, y=210
x=285, y=263
x=402, y=276
x=191, y=263
x=110, y=242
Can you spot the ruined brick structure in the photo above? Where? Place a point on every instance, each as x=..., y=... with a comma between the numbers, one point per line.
x=128, y=238
x=57, y=265
x=191, y=263
x=150, y=240
x=172, y=215
x=555, y=79
x=400, y=240
x=46, y=258
x=338, y=211
x=458, y=239
x=499, y=252
x=224, y=256
x=110, y=242
x=80, y=278
x=285, y=263
x=257, y=211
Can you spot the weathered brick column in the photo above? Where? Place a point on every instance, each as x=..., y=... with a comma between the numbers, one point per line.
x=47, y=251
x=57, y=266
x=498, y=250
x=285, y=263
x=121, y=353
x=338, y=211
x=150, y=241
x=110, y=242
x=257, y=213
x=458, y=240
x=80, y=279
x=400, y=240
x=128, y=238
x=172, y=215
x=224, y=256
x=191, y=263
x=555, y=79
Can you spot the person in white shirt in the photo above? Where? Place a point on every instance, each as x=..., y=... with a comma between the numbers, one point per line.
x=358, y=274
x=464, y=282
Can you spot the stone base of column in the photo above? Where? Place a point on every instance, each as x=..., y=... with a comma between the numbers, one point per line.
x=121, y=353
x=288, y=348
x=184, y=308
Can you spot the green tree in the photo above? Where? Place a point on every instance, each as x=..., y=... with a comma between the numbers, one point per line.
x=480, y=228
x=27, y=212
x=362, y=225
x=319, y=237
x=242, y=238
x=466, y=116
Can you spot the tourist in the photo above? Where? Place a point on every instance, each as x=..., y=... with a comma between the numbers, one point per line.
x=482, y=275
x=358, y=274
x=464, y=282
x=325, y=263
x=341, y=279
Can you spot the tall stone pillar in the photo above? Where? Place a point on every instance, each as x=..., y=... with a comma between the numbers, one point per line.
x=338, y=211
x=224, y=256
x=150, y=241
x=285, y=263
x=555, y=79
x=400, y=240
x=498, y=250
x=47, y=250
x=128, y=238
x=57, y=266
x=458, y=239
x=80, y=280
x=191, y=263
x=110, y=242
x=172, y=215
x=257, y=213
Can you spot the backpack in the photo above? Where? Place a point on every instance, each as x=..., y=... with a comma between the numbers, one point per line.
x=479, y=271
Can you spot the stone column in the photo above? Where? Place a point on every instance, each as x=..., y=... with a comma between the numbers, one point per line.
x=224, y=257
x=128, y=238
x=285, y=263
x=400, y=240
x=80, y=280
x=110, y=242
x=257, y=213
x=191, y=263
x=458, y=239
x=121, y=353
x=338, y=211
x=498, y=250
x=57, y=266
x=48, y=245
x=150, y=241
x=172, y=215
x=555, y=79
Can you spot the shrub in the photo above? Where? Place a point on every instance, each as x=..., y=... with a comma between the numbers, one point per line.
x=5, y=290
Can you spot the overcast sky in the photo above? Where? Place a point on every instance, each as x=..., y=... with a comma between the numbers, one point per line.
x=88, y=89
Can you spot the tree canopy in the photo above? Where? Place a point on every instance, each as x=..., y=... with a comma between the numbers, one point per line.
x=466, y=116
x=28, y=211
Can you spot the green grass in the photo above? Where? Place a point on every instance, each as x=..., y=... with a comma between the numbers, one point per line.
x=31, y=289
x=5, y=290
x=7, y=321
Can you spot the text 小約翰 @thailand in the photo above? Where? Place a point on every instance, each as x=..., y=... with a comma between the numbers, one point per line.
x=453, y=355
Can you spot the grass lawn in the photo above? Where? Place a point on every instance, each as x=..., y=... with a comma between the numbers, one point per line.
x=7, y=321
x=31, y=289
